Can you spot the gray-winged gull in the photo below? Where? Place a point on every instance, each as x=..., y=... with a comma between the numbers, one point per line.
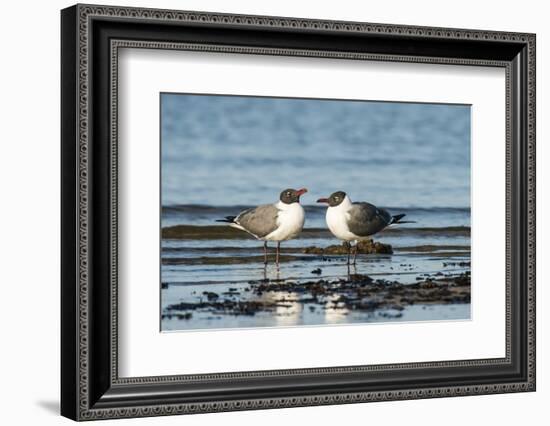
x=355, y=221
x=279, y=221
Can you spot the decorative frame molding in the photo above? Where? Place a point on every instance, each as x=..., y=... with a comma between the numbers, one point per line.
x=91, y=388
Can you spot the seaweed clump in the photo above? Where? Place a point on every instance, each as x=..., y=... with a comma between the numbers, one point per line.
x=363, y=247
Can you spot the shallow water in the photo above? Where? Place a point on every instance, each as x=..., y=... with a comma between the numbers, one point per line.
x=230, y=268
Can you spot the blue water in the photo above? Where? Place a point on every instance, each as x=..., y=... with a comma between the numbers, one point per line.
x=232, y=150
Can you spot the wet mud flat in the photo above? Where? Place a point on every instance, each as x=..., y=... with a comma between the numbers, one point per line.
x=355, y=294
x=216, y=279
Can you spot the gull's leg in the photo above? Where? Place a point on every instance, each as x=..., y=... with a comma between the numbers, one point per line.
x=265, y=252
x=355, y=254
x=278, y=251
x=349, y=252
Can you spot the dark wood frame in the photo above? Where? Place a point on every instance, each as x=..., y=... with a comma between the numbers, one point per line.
x=90, y=386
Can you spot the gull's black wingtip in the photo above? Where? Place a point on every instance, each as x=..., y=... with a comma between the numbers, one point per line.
x=228, y=219
x=397, y=219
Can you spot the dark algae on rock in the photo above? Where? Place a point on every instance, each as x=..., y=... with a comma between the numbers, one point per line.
x=363, y=247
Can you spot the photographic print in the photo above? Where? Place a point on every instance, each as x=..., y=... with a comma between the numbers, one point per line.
x=300, y=212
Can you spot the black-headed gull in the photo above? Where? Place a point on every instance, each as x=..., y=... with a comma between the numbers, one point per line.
x=279, y=221
x=355, y=221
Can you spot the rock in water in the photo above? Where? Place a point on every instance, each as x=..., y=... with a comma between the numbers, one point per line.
x=363, y=247
x=370, y=246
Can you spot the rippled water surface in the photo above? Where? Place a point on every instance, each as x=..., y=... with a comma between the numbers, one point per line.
x=230, y=150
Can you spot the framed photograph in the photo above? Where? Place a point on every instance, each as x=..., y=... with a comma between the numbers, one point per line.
x=263, y=212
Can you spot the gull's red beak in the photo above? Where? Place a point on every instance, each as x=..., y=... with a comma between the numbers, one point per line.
x=322, y=200
x=301, y=191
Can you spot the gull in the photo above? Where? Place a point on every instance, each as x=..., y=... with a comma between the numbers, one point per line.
x=279, y=221
x=355, y=221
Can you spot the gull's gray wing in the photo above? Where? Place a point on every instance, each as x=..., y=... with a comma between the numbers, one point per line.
x=366, y=219
x=259, y=221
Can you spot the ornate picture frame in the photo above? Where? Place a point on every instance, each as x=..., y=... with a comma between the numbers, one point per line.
x=90, y=39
